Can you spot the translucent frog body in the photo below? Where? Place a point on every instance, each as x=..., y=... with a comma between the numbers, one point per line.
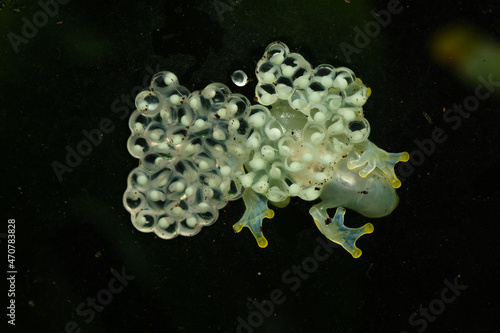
x=306, y=137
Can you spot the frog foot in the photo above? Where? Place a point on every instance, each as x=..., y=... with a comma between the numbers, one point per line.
x=256, y=211
x=335, y=230
x=373, y=157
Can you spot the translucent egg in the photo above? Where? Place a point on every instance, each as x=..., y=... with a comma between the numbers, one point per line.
x=239, y=78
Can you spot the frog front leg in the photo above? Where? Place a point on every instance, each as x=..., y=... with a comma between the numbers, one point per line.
x=372, y=157
x=335, y=230
x=256, y=211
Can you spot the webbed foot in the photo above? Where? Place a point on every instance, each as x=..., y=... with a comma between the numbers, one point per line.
x=256, y=211
x=335, y=230
x=373, y=157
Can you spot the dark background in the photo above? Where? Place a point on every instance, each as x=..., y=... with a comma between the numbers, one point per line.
x=71, y=234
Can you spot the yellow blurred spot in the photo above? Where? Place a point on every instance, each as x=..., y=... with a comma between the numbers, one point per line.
x=454, y=45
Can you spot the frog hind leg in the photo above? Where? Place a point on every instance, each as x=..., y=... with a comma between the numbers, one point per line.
x=256, y=211
x=335, y=230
